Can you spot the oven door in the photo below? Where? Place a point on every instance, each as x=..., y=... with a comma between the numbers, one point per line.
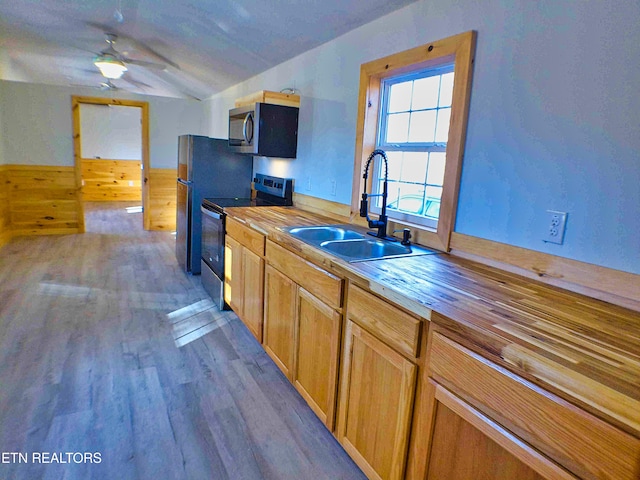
x=213, y=240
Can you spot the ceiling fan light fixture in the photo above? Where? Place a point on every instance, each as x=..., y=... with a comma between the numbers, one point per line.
x=110, y=67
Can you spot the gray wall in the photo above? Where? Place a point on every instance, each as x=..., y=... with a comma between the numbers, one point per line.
x=554, y=118
x=36, y=123
x=110, y=131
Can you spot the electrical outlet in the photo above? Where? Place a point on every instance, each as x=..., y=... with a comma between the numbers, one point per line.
x=309, y=183
x=333, y=187
x=555, y=227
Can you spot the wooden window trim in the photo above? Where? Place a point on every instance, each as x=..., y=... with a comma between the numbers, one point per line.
x=459, y=49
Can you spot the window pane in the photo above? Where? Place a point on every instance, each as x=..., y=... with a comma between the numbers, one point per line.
x=442, y=130
x=400, y=97
x=395, y=165
x=425, y=93
x=414, y=167
x=435, y=174
x=422, y=126
x=446, y=90
x=397, y=127
x=434, y=193
x=432, y=208
x=411, y=198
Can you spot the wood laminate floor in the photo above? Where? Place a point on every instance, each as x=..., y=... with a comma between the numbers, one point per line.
x=89, y=362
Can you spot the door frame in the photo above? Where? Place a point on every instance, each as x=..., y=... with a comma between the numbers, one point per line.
x=146, y=167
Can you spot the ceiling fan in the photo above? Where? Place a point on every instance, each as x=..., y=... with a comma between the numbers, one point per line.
x=112, y=64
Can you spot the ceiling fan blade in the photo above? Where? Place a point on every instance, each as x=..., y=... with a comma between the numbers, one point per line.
x=136, y=83
x=142, y=63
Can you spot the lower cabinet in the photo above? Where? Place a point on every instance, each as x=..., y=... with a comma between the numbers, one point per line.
x=315, y=374
x=244, y=279
x=378, y=382
x=487, y=422
x=301, y=331
x=281, y=295
x=467, y=445
x=377, y=392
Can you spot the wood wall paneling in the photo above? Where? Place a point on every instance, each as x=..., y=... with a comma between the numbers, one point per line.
x=5, y=213
x=43, y=200
x=615, y=286
x=111, y=180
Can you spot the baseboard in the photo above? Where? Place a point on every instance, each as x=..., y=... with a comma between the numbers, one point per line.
x=607, y=284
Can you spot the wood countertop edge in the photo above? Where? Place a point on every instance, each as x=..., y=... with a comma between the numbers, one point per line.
x=505, y=349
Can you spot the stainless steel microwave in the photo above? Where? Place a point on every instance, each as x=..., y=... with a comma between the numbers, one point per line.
x=264, y=129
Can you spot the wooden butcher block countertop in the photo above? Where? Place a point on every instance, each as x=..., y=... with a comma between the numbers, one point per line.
x=583, y=349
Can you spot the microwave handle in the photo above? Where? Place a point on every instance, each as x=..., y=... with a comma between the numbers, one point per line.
x=247, y=119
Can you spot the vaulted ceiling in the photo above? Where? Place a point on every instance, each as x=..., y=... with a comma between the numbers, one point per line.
x=194, y=48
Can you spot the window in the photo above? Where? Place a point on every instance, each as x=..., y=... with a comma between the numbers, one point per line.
x=415, y=111
x=414, y=106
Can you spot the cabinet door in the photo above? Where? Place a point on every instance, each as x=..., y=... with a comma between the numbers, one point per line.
x=233, y=273
x=376, y=400
x=467, y=445
x=253, y=292
x=318, y=345
x=280, y=319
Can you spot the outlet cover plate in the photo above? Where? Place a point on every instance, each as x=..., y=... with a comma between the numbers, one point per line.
x=555, y=227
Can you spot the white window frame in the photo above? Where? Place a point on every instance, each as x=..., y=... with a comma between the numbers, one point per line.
x=426, y=147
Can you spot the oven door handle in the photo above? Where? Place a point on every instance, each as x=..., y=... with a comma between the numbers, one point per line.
x=209, y=213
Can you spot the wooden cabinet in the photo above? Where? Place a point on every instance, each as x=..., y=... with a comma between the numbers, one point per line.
x=253, y=291
x=317, y=348
x=281, y=295
x=377, y=390
x=378, y=384
x=233, y=273
x=483, y=415
x=244, y=275
x=265, y=96
x=301, y=331
x=467, y=445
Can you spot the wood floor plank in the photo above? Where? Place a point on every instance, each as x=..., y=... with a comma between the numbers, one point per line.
x=89, y=363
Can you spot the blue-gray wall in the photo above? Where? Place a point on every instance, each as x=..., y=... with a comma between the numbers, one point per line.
x=36, y=126
x=554, y=120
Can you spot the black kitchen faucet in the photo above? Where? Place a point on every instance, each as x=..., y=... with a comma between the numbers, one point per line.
x=381, y=223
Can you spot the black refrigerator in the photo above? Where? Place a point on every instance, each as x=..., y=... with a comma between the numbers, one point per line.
x=206, y=168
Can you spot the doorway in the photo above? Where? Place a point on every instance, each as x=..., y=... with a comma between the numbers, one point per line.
x=123, y=170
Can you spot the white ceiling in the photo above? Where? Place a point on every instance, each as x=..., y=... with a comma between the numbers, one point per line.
x=202, y=46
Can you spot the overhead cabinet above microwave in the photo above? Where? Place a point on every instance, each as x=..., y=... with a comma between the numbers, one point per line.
x=264, y=129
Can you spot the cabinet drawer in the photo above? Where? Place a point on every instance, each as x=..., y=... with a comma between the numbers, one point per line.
x=246, y=236
x=575, y=439
x=390, y=324
x=319, y=282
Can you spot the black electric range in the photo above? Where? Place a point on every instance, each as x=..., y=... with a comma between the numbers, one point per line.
x=270, y=191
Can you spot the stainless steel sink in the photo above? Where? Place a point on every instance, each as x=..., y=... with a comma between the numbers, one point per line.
x=370, y=249
x=323, y=233
x=346, y=242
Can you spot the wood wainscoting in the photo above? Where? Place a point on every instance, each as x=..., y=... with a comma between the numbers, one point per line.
x=111, y=180
x=42, y=200
x=5, y=212
x=162, y=199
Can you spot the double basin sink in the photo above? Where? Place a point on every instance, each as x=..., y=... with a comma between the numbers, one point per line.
x=352, y=244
